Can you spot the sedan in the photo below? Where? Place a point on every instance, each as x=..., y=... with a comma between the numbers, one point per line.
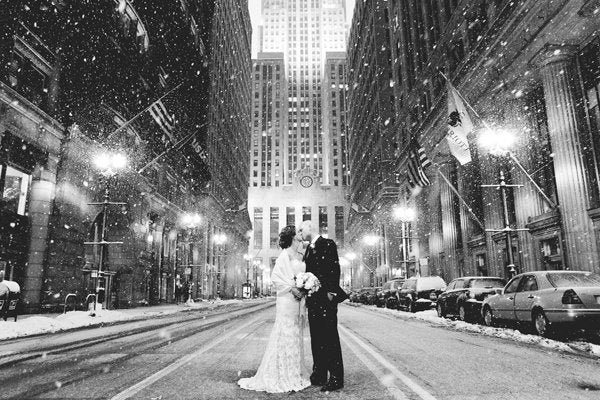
x=420, y=293
x=546, y=300
x=463, y=296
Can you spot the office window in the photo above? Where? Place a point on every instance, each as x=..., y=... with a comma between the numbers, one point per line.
x=323, y=220
x=274, y=227
x=258, y=227
x=290, y=216
x=306, y=214
x=339, y=225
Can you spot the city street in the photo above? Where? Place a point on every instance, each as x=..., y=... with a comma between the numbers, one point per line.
x=201, y=356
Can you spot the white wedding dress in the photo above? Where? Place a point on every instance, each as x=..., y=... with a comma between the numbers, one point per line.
x=283, y=368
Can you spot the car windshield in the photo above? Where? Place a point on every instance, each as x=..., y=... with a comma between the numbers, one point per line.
x=429, y=283
x=565, y=279
x=488, y=283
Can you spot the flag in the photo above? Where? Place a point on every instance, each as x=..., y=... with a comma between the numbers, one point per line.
x=460, y=125
x=417, y=162
x=198, y=149
x=162, y=118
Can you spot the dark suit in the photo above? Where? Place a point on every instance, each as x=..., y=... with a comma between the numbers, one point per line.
x=323, y=262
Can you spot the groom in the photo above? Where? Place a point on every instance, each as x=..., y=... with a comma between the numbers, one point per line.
x=321, y=259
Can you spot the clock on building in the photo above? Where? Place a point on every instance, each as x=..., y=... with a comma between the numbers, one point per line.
x=306, y=181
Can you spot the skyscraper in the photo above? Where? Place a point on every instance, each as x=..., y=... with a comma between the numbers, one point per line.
x=298, y=168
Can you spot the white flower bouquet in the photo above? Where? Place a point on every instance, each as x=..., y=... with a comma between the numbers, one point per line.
x=307, y=282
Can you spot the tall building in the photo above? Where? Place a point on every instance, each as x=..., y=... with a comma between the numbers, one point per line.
x=528, y=70
x=68, y=95
x=298, y=169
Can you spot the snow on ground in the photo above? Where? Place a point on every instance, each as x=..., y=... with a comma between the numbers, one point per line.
x=39, y=324
x=504, y=333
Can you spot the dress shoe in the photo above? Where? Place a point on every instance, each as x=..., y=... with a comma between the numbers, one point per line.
x=332, y=385
x=316, y=381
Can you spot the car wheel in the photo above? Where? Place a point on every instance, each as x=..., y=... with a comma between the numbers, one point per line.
x=440, y=311
x=488, y=317
x=462, y=313
x=541, y=325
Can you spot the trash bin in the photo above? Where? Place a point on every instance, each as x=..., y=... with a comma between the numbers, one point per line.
x=10, y=295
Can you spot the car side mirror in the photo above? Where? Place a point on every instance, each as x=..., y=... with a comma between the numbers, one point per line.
x=499, y=291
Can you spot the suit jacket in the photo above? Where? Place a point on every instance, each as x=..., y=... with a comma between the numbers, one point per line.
x=323, y=262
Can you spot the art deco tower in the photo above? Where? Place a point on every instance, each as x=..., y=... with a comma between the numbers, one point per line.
x=298, y=121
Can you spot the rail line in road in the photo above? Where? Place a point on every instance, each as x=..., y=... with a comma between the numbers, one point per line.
x=46, y=348
x=48, y=370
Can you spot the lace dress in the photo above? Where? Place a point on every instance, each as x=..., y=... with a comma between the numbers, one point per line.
x=282, y=368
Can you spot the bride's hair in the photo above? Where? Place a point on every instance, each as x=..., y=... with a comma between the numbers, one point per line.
x=286, y=236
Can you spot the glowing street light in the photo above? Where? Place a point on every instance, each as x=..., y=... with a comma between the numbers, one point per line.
x=371, y=240
x=499, y=141
x=404, y=214
x=110, y=163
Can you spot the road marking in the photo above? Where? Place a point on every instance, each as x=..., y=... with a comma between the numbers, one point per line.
x=412, y=385
x=378, y=372
x=138, y=387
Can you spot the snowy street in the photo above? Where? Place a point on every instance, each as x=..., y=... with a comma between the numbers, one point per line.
x=200, y=355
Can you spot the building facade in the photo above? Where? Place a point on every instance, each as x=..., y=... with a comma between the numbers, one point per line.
x=374, y=190
x=298, y=125
x=526, y=70
x=69, y=96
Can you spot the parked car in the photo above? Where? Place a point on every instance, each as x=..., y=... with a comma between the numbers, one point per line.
x=353, y=296
x=420, y=293
x=367, y=295
x=547, y=300
x=388, y=295
x=464, y=296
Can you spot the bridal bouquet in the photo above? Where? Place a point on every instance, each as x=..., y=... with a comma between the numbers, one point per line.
x=307, y=282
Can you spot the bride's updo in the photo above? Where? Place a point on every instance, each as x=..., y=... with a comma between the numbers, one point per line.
x=286, y=236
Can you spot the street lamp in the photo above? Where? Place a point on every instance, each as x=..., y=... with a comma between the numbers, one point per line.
x=246, y=291
x=371, y=240
x=219, y=239
x=498, y=142
x=404, y=214
x=351, y=256
x=108, y=164
x=191, y=221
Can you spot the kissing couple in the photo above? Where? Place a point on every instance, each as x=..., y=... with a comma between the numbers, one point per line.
x=283, y=368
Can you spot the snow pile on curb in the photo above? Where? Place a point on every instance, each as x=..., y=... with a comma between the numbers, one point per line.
x=36, y=325
x=503, y=333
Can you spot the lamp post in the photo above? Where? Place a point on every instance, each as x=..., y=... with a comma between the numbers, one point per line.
x=248, y=258
x=351, y=256
x=219, y=239
x=498, y=142
x=108, y=164
x=371, y=240
x=192, y=222
x=404, y=214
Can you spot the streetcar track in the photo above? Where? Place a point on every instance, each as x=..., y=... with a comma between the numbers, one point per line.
x=14, y=359
x=91, y=370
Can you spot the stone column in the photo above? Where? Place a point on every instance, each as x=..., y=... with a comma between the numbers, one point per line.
x=435, y=226
x=528, y=201
x=43, y=189
x=559, y=77
x=450, y=229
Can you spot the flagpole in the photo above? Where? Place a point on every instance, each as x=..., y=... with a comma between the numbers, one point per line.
x=173, y=147
x=464, y=203
x=141, y=112
x=510, y=154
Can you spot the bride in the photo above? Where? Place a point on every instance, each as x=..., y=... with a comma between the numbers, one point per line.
x=282, y=368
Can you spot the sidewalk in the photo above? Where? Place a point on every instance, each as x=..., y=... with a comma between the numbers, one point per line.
x=35, y=324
